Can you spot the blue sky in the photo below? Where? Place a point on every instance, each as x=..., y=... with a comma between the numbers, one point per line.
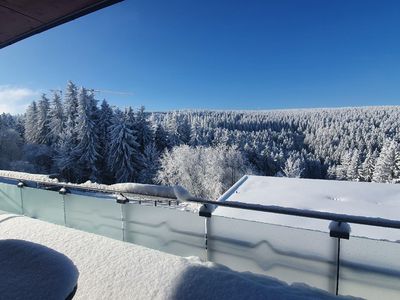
x=217, y=55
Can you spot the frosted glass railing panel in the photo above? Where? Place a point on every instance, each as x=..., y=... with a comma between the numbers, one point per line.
x=10, y=198
x=169, y=230
x=43, y=205
x=370, y=268
x=94, y=214
x=290, y=254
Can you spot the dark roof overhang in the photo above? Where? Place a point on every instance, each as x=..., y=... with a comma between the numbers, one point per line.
x=20, y=19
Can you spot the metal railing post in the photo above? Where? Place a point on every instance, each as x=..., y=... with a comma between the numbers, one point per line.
x=339, y=230
x=338, y=266
x=122, y=200
x=205, y=211
x=21, y=186
x=63, y=191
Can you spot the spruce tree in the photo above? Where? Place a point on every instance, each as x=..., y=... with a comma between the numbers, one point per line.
x=124, y=149
x=143, y=129
x=86, y=151
x=106, y=115
x=354, y=166
x=30, y=124
x=71, y=110
x=151, y=164
x=56, y=120
x=43, y=121
x=160, y=138
x=368, y=167
x=385, y=164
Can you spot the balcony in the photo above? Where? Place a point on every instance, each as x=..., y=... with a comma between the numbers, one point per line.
x=360, y=267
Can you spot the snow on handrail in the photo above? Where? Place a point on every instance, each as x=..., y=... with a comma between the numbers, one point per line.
x=128, y=188
x=183, y=195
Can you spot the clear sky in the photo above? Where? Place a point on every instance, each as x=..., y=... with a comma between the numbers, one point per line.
x=217, y=55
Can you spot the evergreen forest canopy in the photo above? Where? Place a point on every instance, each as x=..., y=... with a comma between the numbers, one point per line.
x=79, y=138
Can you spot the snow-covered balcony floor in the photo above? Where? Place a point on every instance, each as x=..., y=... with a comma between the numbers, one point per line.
x=111, y=269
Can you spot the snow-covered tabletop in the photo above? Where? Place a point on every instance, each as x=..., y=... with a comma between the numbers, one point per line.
x=32, y=271
x=111, y=269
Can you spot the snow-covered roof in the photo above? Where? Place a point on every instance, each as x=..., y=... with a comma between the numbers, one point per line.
x=111, y=269
x=377, y=200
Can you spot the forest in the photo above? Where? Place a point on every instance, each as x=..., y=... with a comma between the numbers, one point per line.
x=77, y=138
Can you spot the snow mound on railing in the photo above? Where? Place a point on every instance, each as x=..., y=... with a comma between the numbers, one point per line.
x=144, y=189
x=151, y=190
x=132, y=188
x=27, y=176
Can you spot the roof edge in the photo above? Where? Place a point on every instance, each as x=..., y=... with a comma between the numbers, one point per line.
x=82, y=12
x=233, y=188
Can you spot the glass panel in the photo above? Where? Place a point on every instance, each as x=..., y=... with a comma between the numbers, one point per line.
x=166, y=229
x=94, y=214
x=370, y=268
x=10, y=198
x=43, y=204
x=289, y=254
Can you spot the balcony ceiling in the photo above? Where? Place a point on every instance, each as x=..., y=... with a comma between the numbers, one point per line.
x=20, y=19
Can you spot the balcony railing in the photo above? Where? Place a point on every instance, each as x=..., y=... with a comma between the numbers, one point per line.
x=358, y=266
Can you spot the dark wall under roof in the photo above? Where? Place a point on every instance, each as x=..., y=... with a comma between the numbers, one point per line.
x=20, y=19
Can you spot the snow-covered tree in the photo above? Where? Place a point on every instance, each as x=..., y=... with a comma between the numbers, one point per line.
x=204, y=171
x=160, y=138
x=385, y=164
x=331, y=172
x=64, y=158
x=144, y=133
x=171, y=126
x=30, y=124
x=124, y=150
x=56, y=120
x=354, y=166
x=71, y=110
x=233, y=165
x=43, y=120
x=71, y=103
x=106, y=115
x=150, y=164
x=293, y=167
x=342, y=169
x=397, y=165
x=368, y=167
x=184, y=131
x=86, y=151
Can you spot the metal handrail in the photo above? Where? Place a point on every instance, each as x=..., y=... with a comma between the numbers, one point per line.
x=354, y=219
x=75, y=186
x=314, y=214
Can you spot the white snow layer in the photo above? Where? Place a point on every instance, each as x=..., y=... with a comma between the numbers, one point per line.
x=111, y=269
x=32, y=271
x=132, y=188
x=26, y=176
x=375, y=200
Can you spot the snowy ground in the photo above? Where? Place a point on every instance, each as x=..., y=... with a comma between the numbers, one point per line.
x=111, y=269
x=376, y=200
